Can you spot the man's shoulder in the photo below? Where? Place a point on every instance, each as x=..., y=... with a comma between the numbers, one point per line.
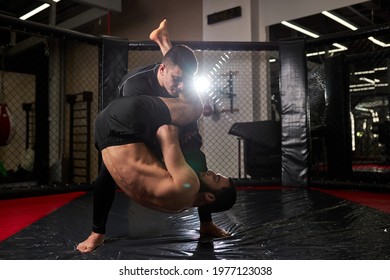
x=139, y=80
x=143, y=70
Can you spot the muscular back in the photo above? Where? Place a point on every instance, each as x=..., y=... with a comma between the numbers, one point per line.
x=145, y=180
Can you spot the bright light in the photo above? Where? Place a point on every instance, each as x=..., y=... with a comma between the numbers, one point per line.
x=35, y=11
x=337, y=45
x=370, y=71
x=300, y=29
x=341, y=47
x=375, y=81
x=380, y=43
x=316, y=53
x=340, y=20
x=202, y=84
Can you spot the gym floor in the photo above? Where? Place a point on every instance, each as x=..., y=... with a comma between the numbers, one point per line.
x=269, y=223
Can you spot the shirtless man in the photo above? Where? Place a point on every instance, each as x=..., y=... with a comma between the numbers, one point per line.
x=183, y=110
x=171, y=186
x=125, y=128
x=190, y=138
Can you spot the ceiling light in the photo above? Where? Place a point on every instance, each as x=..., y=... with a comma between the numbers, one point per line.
x=339, y=20
x=370, y=71
x=375, y=81
x=337, y=45
x=300, y=29
x=365, y=87
x=380, y=43
x=35, y=11
x=341, y=47
x=316, y=53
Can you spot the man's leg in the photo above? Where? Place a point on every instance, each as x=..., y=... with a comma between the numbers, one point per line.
x=161, y=37
x=103, y=197
x=104, y=191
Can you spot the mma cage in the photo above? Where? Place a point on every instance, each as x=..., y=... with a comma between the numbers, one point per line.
x=297, y=112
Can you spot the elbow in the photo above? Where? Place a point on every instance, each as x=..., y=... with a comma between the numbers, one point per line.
x=198, y=110
x=185, y=197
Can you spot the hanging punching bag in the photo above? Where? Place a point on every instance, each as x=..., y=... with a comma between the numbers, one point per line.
x=5, y=125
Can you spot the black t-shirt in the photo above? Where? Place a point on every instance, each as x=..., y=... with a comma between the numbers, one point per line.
x=143, y=81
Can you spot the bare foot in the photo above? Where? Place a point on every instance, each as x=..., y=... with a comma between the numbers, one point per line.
x=209, y=228
x=91, y=243
x=161, y=37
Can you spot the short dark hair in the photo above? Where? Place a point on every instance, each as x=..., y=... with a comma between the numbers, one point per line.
x=184, y=57
x=225, y=197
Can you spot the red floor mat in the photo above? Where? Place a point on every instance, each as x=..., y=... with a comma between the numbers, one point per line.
x=16, y=214
x=380, y=201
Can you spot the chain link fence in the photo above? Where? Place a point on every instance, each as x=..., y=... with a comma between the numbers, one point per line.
x=50, y=88
x=352, y=136
x=236, y=87
x=49, y=96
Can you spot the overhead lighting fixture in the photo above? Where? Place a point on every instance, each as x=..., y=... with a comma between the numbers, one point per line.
x=375, y=81
x=300, y=29
x=339, y=47
x=370, y=71
x=352, y=27
x=339, y=20
x=366, y=87
x=378, y=42
x=37, y=10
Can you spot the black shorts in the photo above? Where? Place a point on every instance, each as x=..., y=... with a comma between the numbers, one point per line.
x=130, y=119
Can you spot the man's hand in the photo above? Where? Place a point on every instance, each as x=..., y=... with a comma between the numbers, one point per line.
x=208, y=228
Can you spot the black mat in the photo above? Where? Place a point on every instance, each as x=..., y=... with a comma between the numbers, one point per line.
x=276, y=224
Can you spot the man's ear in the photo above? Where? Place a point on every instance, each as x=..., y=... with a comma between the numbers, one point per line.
x=209, y=197
x=161, y=68
x=204, y=198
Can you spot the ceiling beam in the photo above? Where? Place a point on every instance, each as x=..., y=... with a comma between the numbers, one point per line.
x=360, y=15
x=82, y=18
x=24, y=45
x=112, y=5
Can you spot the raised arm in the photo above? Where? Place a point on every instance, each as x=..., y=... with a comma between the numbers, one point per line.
x=185, y=179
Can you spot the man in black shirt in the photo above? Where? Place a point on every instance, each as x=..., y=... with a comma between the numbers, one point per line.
x=154, y=80
x=149, y=81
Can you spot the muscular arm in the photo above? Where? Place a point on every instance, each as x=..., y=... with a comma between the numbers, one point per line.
x=184, y=177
